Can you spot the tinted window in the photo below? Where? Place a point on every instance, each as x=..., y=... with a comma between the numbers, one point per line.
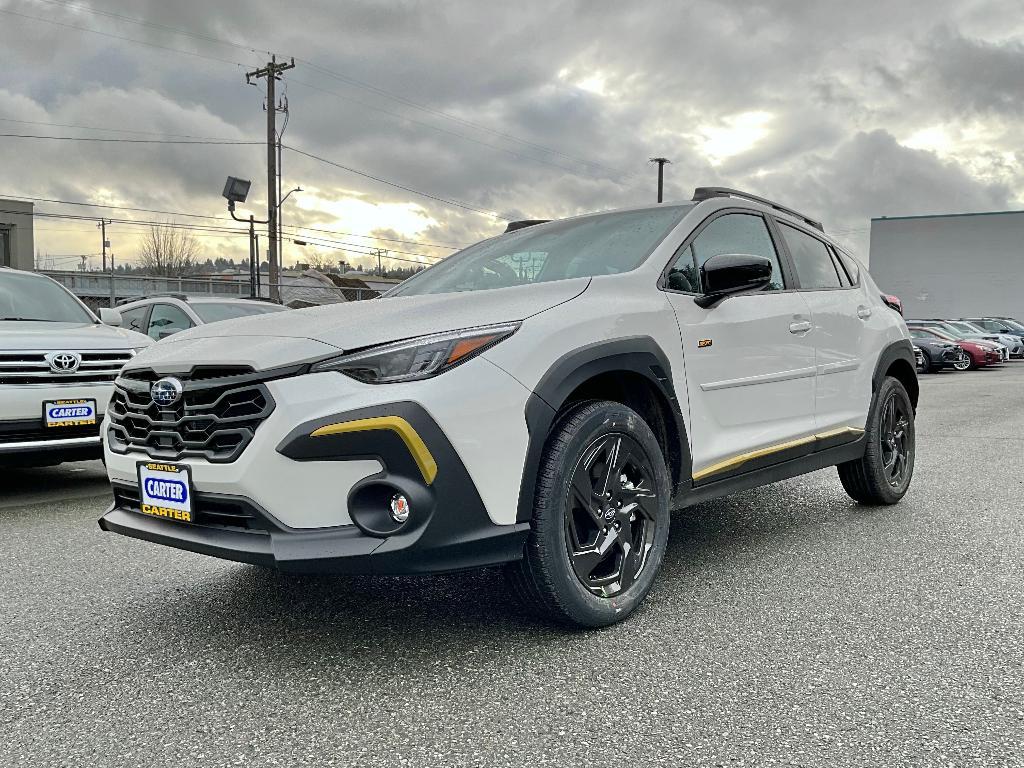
x=132, y=319
x=844, y=279
x=811, y=258
x=211, y=312
x=165, y=320
x=732, y=233
x=606, y=244
x=851, y=267
x=24, y=296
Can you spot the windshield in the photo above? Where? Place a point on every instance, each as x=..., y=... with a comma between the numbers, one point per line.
x=604, y=244
x=1012, y=325
x=24, y=296
x=968, y=328
x=211, y=312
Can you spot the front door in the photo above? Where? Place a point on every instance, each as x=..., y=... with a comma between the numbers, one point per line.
x=749, y=360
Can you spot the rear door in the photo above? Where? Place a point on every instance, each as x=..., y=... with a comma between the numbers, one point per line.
x=749, y=361
x=842, y=335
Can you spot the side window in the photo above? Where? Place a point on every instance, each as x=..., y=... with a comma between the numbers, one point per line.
x=132, y=319
x=165, y=320
x=844, y=279
x=732, y=233
x=851, y=267
x=811, y=258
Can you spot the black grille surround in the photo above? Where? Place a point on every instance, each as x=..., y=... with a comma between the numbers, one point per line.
x=216, y=417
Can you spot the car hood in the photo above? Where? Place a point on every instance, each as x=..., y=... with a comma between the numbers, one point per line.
x=280, y=339
x=357, y=324
x=18, y=335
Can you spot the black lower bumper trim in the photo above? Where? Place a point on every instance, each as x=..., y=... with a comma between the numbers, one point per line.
x=327, y=550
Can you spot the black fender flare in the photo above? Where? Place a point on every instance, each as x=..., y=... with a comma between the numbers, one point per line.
x=636, y=354
x=897, y=350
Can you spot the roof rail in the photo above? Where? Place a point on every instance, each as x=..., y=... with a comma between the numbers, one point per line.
x=515, y=225
x=706, y=193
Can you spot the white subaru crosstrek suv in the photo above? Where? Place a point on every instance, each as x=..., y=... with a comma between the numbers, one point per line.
x=541, y=399
x=58, y=363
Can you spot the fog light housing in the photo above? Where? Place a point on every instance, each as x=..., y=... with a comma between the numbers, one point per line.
x=399, y=508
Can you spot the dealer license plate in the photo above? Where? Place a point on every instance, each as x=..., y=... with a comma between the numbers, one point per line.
x=165, y=490
x=69, y=413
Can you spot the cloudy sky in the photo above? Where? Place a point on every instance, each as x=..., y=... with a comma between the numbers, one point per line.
x=528, y=109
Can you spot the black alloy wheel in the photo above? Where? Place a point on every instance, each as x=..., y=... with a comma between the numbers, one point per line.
x=893, y=439
x=611, y=514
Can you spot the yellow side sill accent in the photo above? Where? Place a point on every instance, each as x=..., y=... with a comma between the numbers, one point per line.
x=743, y=458
x=417, y=448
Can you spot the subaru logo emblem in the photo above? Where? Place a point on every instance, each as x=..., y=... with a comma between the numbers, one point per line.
x=64, y=362
x=166, y=391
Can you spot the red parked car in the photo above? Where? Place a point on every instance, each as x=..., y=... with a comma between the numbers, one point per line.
x=979, y=353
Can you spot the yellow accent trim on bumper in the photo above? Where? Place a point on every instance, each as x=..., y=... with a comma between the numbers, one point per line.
x=420, y=453
x=743, y=458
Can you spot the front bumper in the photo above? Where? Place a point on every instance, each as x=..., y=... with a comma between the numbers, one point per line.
x=310, y=492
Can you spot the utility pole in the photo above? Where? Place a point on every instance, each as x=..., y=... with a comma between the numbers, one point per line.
x=113, y=292
x=102, y=226
x=272, y=73
x=661, y=175
x=380, y=268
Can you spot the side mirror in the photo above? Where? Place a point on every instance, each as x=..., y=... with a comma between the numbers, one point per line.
x=169, y=332
x=110, y=317
x=730, y=273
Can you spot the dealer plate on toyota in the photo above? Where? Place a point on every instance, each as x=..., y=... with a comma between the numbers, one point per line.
x=69, y=413
x=165, y=490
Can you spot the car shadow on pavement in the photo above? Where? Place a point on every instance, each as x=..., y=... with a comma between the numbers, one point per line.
x=449, y=615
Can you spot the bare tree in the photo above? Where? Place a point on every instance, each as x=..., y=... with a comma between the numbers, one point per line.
x=168, y=251
x=321, y=262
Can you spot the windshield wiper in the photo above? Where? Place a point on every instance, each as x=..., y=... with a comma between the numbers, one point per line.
x=30, y=319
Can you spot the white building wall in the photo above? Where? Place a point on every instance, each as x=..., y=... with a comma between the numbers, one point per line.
x=16, y=241
x=956, y=265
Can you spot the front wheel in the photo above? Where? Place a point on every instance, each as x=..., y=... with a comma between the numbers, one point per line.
x=882, y=475
x=601, y=518
x=964, y=363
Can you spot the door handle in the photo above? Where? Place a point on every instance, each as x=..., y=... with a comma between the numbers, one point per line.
x=800, y=327
x=863, y=312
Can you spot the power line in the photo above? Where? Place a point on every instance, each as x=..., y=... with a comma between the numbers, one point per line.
x=124, y=141
x=438, y=128
x=182, y=214
x=456, y=118
x=323, y=70
x=112, y=130
x=122, y=37
x=447, y=201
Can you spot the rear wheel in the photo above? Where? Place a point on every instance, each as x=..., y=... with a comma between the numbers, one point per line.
x=882, y=475
x=926, y=363
x=601, y=518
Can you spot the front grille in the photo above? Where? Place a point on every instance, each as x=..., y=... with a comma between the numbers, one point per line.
x=216, y=417
x=31, y=430
x=208, y=511
x=32, y=367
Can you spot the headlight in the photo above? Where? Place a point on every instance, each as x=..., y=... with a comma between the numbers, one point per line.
x=418, y=358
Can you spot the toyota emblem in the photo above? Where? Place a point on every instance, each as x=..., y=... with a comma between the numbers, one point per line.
x=64, y=362
x=166, y=391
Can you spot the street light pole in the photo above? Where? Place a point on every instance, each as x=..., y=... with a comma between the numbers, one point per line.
x=661, y=175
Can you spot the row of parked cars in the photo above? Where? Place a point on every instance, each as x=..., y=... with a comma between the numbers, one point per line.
x=965, y=344
x=59, y=360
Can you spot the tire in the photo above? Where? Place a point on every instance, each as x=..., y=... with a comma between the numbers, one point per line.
x=965, y=365
x=573, y=521
x=869, y=479
x=926, y=363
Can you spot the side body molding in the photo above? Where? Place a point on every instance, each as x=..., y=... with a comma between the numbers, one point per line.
x=637, y=354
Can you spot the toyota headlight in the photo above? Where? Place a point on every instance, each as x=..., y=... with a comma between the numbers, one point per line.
x=418, y=358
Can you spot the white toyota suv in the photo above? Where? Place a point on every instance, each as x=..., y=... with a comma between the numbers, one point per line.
x=58, y=363
x=541, y=400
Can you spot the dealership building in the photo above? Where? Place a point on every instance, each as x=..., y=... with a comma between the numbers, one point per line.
x=952, y=265
x=16, y=246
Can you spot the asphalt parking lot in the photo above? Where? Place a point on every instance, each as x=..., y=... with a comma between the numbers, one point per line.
x=789, y=627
